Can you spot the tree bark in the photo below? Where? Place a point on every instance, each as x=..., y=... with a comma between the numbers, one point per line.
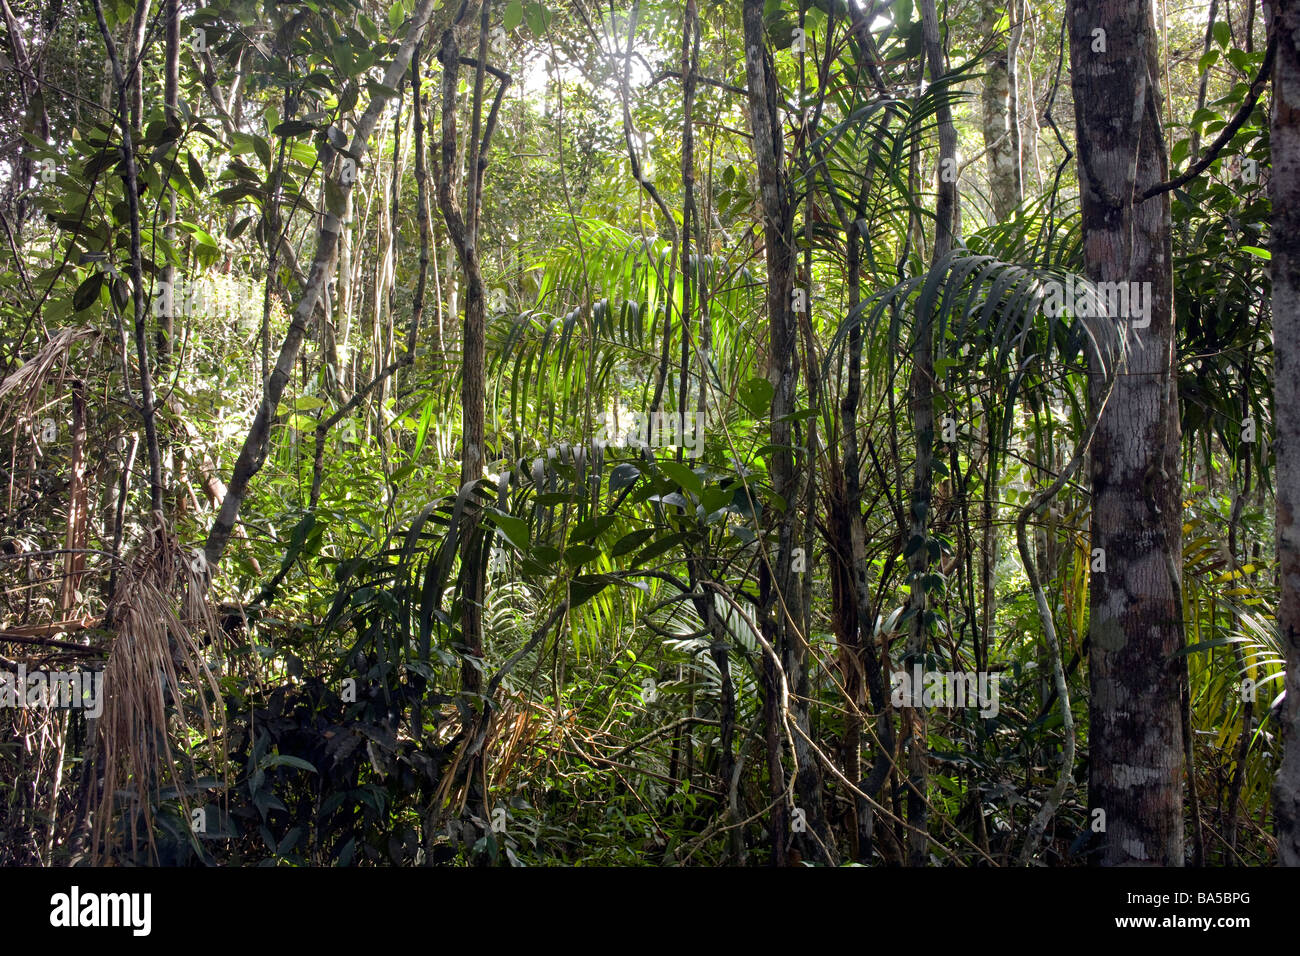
x=921, y=401
x=781, y=592
x=1001, y=110
x=1284, y=188
x=134, y=67
x=75, y=539
x=462, y=229
x=1136, y=753
x=171, y=98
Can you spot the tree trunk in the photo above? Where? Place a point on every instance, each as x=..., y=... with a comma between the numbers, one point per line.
x=1001, y=110
x=343, y=304
x=1284, y=187
x=74, y=561
x=921, y=400
x=462, y=228
x=780, y=588
x=1136, y=760
x=171, y=97
x=134, y=68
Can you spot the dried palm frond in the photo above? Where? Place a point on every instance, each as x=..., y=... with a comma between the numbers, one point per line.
x=31, y=377
x=146, y=703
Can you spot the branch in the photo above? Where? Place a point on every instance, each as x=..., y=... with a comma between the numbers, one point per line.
x=253, y=454
x=664, y=731
x=1229, y=131
x=707, y=81
x=11, y=637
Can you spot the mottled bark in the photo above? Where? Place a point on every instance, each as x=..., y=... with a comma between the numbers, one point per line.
x=343, y=303
x=1000, y=101
x=1135, y=739
x=134, y=67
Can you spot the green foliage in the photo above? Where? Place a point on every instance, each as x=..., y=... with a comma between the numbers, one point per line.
x=630, y=596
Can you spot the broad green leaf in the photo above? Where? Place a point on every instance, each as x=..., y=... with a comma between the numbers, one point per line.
x=514, y=15
x=515, y=529
x=87, y=293
x=756, y=395
x=683, y=475
x=285, y=760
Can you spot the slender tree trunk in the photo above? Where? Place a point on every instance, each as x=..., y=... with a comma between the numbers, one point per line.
x=146, y=407
x=1194, y=153
x=989, y=538
x=922, y=408
x=171, y=98
x=462, y=228
x=462, y=223
x=385, y=269
x=343, y=303
x=781, y=591
x=75, y=539
x=1284, y=20
x=134, y=67
x=1001, y=109
x=256, y=444
x=1135, y=737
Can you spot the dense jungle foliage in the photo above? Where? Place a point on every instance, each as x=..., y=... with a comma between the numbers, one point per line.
x=534, y=432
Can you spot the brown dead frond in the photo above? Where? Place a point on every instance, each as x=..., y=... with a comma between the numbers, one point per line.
x=27, y=382
x=156, y=687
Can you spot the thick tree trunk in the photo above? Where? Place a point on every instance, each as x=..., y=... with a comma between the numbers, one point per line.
x=1284, y=21
x=1136, y=759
